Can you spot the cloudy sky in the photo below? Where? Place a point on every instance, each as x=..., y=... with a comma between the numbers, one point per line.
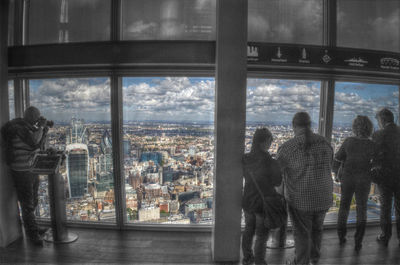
x=181, y=99
x=369, y=24
x=353, y=99
x=192, y=99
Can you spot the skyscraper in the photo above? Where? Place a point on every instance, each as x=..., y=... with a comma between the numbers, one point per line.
x=78, y=132
x=105, y=166
x=77, y=169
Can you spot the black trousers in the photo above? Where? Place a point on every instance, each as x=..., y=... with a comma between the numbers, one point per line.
x=361, y=190
x=387, y=193
x=27, y=185
x=254, y=225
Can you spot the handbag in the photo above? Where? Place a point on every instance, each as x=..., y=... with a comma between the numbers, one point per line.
x=274, y=208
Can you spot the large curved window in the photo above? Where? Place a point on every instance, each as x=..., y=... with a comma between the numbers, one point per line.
x=352, y=99
x=285, y=21
x=369, y=24
x=68, y=21
x=168, y=19
x=169, y=149
x=80, y=109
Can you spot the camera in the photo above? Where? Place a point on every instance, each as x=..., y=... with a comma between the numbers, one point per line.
x=42, y=121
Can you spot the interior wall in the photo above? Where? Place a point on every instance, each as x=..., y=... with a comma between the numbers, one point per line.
x=10, y=228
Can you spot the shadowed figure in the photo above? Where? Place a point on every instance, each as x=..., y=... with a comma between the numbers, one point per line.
x=259, y=167
x=355, y=154
x=387, y=165
x=306, y=161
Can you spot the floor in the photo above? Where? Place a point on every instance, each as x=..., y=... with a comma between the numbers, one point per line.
x=143, y=247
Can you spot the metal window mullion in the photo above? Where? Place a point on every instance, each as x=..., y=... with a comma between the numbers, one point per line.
x=115, y=20
x=329, y=23
x=19, y=97
x=117, y=136
x=24, y=20
x=327, y=98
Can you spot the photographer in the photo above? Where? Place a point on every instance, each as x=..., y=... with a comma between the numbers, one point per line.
x=23, y=137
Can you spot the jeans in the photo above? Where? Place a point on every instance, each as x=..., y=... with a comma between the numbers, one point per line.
x=387, y=192
x=308, y=228
x=254, y=225
x=27, y=185
x=361, y=191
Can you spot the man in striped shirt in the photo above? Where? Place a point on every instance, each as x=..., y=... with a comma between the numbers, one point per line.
x=23, y=138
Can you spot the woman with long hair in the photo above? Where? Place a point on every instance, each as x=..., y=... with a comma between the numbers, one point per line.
x=260, y=169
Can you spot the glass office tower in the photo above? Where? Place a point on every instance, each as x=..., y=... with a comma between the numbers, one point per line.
x=77, y=169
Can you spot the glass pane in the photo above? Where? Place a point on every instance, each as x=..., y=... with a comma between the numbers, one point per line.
x=11, y=99
x=272, y=103
x=169, y=149
x=11, y=10
x=285, y=21
x=68, y=21
x=352, y=99
x=168, y=19
x=369, y=24
x=80, y=109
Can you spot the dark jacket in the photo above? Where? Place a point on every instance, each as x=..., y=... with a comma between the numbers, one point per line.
x=266, y=172
x=21, y=141
x=387, y=156
x=356, y=153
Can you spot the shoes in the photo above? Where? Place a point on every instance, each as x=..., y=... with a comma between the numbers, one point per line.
x=342, y=240
x=383, y=240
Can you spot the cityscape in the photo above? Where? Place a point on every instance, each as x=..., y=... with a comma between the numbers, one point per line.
x=168, y=171
x=168, y=140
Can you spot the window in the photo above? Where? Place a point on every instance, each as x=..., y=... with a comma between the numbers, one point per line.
x=80, y=109
x=352, y=99
x=272, y=103
x=285, y=21
x=369, y=24
x=11, y=99
x=68, y=21
x=168, y=19
x=169, y=149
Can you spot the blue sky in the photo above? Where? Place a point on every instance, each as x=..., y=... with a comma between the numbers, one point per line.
x=192, y=99
x=353, y=99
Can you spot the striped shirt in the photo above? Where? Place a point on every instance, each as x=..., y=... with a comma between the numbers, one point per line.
x=307, y=173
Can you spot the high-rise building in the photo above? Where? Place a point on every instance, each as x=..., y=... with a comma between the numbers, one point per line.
x=105, y=179
x=77, y=169
x=78, y=132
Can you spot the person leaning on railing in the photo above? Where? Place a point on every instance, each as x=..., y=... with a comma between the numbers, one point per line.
x=23, y=137
x=306, y=161
x=355, y=154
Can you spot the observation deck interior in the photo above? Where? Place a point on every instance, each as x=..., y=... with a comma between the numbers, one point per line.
x=150, y=247
x=165, y=95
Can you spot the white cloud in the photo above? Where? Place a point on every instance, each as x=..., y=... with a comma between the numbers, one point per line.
x=140, y=27
x=170, y=99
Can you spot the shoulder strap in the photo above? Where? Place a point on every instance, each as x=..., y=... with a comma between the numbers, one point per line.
x=257, y=187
